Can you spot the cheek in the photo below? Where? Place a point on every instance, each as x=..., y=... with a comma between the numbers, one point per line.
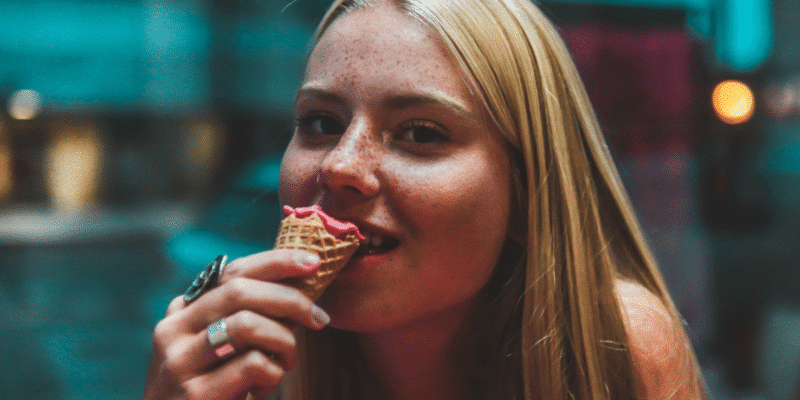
x=466, y=202
x=297, y=178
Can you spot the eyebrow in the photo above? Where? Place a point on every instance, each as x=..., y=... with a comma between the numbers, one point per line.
x=418, y=99
x=395, y=102
x=321, y=94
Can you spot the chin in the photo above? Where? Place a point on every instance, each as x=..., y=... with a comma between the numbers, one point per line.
x=351, y=320
x=356, y=313
x=363, y=324
x=358, y=327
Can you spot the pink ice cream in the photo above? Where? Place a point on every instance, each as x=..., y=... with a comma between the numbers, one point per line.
x=334, y=226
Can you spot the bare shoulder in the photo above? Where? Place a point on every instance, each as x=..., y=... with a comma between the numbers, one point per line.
x=660, y=350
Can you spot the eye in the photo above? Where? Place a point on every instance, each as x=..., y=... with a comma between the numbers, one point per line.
x=422, y=132
x=320, y=124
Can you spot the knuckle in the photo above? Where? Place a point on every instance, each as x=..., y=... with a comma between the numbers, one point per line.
x=284, y=344
x=172, y=362
x=297, y=300
x=303, y=304
x=255, y=364
x=273, y=373
x=289, y=357
x=194, y=390
x=283, y=254
x=289, y=340
x=175, y=356
x=255, y=360
x=175, y=305
x=231, y=270
x=261, y=369
x=284, y=260
x=289, y=257
x=163, y=332
x=236, y=289
x=245, y=322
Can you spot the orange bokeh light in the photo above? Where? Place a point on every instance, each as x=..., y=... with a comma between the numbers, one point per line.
x=733, y=102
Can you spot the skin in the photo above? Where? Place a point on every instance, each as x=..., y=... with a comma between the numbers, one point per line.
x=378, y=88
x=659, y=351
x=447, y=201
x=390, y=138
x=258, y=313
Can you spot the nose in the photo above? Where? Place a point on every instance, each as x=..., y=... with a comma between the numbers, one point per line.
x=349, y=169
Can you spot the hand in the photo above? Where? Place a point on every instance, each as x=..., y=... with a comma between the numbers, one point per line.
x=258, y=312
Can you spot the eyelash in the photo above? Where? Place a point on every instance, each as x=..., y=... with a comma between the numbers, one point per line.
x=441, y=136
x=305, y=122
x=440, y=133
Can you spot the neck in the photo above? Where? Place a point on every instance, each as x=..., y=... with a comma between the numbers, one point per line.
x=415, y=362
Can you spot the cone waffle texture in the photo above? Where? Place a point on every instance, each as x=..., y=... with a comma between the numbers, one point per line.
x=309, y=233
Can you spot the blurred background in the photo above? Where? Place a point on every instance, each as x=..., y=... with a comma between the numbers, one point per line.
x=140, y=139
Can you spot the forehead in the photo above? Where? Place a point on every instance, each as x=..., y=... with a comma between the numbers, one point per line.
x=382, y=44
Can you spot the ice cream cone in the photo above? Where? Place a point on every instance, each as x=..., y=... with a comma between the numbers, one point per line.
x=314, y=232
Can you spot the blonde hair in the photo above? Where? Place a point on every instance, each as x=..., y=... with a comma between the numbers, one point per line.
x=557, y=328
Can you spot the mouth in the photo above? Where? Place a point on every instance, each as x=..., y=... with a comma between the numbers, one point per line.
x=379, y=238
x=376, y=244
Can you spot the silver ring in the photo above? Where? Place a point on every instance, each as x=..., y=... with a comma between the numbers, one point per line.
x=206, y=280
x=218, y=338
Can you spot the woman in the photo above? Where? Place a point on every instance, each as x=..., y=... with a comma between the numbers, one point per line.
x=456, y=133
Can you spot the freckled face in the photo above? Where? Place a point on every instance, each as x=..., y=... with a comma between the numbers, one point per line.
x=390, y=137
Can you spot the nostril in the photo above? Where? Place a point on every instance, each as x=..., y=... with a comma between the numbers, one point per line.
x=353, y=189
x=321, y=182
x=342, y=183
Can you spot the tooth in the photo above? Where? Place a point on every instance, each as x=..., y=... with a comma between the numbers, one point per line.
x=376, y=241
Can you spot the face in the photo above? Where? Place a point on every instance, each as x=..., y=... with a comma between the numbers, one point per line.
x=390, y=137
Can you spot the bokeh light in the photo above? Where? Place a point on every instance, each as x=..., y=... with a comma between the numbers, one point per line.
x=733, y=102
x=73, y=166
x=6, y=173
x=782, y=99
x=24, y=104
x=201, y=152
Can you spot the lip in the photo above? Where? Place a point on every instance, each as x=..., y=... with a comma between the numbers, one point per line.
x=369, y=230
x=364, y=267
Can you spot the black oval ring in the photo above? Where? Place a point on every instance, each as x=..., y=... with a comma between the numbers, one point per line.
x=206, y=280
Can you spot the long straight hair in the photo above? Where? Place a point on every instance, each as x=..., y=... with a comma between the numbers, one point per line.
x=552, y=326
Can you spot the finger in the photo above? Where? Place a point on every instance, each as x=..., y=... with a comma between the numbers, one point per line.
x=235, y=378
x=249, y=330
x=246, y=331
x=272, y=265
x=269, y=299
x=177, y=304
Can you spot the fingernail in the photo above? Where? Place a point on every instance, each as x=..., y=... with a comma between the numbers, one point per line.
x=319, y=316
x=307, y=260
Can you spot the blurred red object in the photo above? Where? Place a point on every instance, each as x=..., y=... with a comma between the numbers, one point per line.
x=643, y=82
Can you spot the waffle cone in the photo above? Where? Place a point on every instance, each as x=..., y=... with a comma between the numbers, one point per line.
x=309, y=234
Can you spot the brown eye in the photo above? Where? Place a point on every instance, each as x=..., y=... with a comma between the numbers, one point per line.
x=326, y=126
x=320, y=124
x=424, y=135
x=422, y=132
